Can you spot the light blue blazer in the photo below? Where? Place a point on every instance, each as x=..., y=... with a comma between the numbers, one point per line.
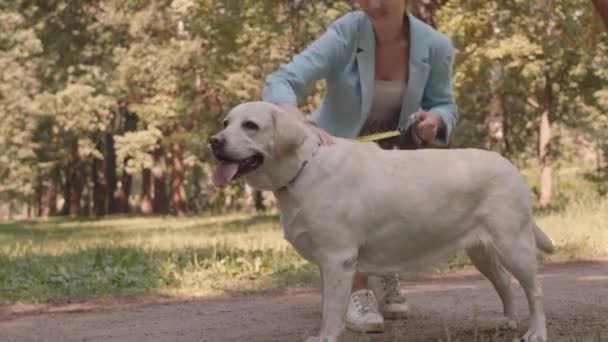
x=344, y=57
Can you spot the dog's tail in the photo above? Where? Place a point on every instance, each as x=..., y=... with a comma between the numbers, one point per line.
x=542, y=240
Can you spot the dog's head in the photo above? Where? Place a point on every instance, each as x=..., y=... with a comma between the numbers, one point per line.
x=257, y=138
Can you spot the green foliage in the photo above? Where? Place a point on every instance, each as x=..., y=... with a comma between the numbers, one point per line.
x=19, y=54
x=136, y=148
x=77, y=110
x=532, y=46
x=74, y=71
x=196, y=256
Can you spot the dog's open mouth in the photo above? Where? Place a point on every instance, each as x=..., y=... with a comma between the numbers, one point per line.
x=227, y=170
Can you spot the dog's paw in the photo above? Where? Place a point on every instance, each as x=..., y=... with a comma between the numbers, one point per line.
x=507, y=324
x=534, y=335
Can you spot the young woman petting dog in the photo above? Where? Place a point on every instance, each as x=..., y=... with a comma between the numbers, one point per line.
x=381, y=66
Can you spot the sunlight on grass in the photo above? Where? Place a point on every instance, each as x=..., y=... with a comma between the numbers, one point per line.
x=193, y=256
x=163, y=234
x=205, y=255
x=578, y=231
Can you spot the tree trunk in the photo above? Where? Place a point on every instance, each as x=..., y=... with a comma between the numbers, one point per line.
x=544, y=145
x=602, y=9
x=118, y=192
x=110, y=200
x=5, y=210
x=122, y=192
x=55, y=185
x=496, y=122
x=546, y=168
x=75, y=193
x=195, y=202
x=87, y=192
x=48, y=199
x=178, y=191
x=100, y=186
x=75, y=173
x=31, y=209
x=125, y=191
x=67, y=193
x=147, y=193
x=154, y=191
x=508, y=152
x=258, y=198
x=37, y=198
x=246, y=200
x=544, y=140
x=159, y=172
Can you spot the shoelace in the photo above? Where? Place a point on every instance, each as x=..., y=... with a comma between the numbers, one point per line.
x=365, y=303
x=392, y=291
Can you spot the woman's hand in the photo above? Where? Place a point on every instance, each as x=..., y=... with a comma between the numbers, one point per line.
x=429, y=124
x=325, y=138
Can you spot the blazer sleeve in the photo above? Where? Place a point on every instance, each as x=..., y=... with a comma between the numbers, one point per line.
x=438, y=94
x=318, y=60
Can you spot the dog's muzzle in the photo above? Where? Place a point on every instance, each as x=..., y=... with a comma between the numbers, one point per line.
x=229, y=168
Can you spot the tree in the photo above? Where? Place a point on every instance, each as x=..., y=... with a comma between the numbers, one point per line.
x=426, y=10
x=546, y=46
x=20, y=50
x=100, y=97
x=602, y=9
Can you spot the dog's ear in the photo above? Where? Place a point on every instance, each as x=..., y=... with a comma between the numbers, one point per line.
x=289, y=133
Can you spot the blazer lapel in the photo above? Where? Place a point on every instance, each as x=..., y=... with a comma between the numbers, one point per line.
x=419, y=67
x=366, y=65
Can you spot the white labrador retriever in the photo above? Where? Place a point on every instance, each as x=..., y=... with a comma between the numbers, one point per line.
x=352, y=207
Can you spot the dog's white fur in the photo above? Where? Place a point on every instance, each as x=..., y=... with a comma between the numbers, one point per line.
x=355, y=207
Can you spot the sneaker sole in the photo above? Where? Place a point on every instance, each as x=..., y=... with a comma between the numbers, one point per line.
x=366, y=328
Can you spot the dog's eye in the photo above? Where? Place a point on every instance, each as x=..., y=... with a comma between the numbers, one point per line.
x=225, y=123
x=250, y=125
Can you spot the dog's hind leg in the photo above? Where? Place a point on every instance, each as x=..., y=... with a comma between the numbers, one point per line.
x=519, y=258
x=485, y=259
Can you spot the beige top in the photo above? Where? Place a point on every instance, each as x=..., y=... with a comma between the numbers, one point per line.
x=386, y=105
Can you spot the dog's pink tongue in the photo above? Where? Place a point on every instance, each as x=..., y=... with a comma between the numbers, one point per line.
x=223, y=173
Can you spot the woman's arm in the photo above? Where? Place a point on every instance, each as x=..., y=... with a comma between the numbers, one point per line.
x=438, y=94
x=288, y=84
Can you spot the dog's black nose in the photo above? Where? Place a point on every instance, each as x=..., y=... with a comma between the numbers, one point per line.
x=216, y=143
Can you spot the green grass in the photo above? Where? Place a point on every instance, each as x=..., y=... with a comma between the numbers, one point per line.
x=160, y=256
x=203, y=256
x=579, y=230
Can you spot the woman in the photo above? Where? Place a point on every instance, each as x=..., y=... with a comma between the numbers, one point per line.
x=381, y=65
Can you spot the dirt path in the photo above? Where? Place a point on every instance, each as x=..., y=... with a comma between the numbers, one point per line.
x=576, y=302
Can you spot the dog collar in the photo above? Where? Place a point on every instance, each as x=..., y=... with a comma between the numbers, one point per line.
x=299, y=172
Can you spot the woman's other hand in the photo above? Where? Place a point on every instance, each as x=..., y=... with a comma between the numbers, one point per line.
x=429, y=123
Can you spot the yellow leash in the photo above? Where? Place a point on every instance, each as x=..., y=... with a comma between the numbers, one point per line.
x=386, y=135
x=379, y=136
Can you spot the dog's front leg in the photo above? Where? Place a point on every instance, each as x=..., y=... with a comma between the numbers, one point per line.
x=337, y=278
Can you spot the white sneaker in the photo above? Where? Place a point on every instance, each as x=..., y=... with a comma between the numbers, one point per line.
x=392, y=304
x=362, y=314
